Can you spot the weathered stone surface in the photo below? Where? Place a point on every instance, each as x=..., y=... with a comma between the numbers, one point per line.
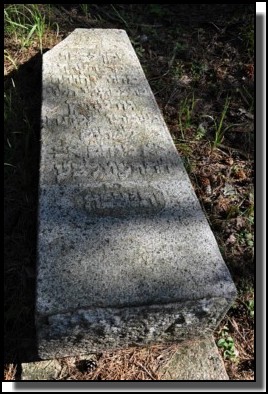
x=195, y=360
x=41, y=370
x=125, y=253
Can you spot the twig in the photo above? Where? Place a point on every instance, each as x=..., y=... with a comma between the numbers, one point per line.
x=236, y=329
x=217, y=28
x=119, y=16
x=159, y=77
x=240, y=152
x=146, y=370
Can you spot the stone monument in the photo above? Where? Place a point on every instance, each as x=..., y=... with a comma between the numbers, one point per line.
x=125, y=253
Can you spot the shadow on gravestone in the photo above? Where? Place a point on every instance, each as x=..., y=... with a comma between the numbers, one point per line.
x=120, y=225
x=80, y=205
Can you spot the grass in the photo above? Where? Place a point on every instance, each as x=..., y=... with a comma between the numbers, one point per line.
x=187, y=89
x=219, y=131
x=119, y=16
x=10, y=59
x=226, y=342
x=85, y=9
x=25, y=23
x=247, y=36
x=185, y=114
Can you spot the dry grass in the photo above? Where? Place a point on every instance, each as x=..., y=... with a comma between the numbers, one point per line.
x=10, y=372
x=134, y=363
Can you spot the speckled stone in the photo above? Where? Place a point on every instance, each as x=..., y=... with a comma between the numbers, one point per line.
x=195, y=360
x=41, y=370
x=125, y=253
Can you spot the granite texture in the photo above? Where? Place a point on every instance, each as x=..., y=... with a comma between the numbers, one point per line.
x=41, y=370
x=195, y=360
x=124, y=249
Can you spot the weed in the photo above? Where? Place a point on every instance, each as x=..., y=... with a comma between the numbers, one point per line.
x=249, y=213
x=39, y=23
x=218, y=125
x=248, y=210
x=233, y=211
x=178, y=70
x=197, y=70
x=250, y=307
x=248, y=304
x=246, y=238
x=85, y=9
x=24, y=23
x=247, y=37
x=120, y=16
x=10, y=59
x=226, y=342
x=185, y=114
x=219, y=132
x=179, y=47
x=201, y=132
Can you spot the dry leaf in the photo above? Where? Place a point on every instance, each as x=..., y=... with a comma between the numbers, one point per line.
x=223, y=204
x=240, y=222
x=240, y=174
x=231, y=240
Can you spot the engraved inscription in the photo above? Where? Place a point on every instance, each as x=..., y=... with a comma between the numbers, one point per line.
x=99, y=121
x=118, y=201
x=120, y=228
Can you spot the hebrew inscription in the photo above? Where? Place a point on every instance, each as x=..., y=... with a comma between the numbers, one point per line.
x=99, y=122
x=125, y=254
x=118, y=201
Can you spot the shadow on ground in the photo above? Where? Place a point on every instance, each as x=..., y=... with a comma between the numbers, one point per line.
x=22, y=131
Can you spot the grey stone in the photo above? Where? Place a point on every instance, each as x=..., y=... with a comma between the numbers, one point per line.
x=41, y=370
x=195, y=360
x=125, y=253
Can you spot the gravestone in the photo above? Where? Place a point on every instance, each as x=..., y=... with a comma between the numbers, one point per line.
x=125, y=253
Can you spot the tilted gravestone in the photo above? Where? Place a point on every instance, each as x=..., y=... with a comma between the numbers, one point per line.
x=125, y=253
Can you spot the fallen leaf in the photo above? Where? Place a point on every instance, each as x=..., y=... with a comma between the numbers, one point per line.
x=231, y=240
x=240, y=174
x=229, y=190
x=185, y=80
x=240, y=222
x=223, y=204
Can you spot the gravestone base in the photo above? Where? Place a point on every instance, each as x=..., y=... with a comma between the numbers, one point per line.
x=99, y=329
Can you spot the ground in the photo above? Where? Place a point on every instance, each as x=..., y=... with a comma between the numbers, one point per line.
x=199, y=61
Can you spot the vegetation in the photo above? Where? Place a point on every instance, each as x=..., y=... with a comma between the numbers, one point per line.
x=199, y=62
